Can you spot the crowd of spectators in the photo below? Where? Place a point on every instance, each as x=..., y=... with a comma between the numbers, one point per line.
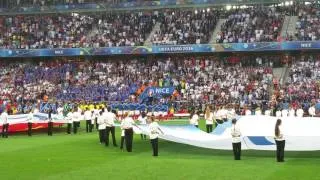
x=308, y=24
x=185, y=27
x=113, y=29
x=196, y=80
x=301, y=89
x=253, y=24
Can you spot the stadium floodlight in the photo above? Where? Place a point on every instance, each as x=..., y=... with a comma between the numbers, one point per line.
x=208, y=9
x=307, y=3
x=196, y=11
x=291, y=2
x=287, y=3
x=228, y=7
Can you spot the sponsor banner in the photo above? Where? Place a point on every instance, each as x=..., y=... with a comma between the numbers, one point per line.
x=165, y=49
x=156, y=92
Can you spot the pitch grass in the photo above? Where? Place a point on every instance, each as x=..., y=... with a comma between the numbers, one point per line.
x=68, y=157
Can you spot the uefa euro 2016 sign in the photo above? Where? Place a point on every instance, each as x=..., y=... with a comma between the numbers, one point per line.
x=165, y=49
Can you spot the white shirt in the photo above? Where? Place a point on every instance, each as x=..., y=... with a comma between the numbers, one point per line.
x=194, y=120
x=127, y=123
x=209, y=120
x=267, y=113
x=4, y=118
x=284, y=113
x=109, y=118
x=258, y=113
x=69, y=117
x=154, y=130
x=292, y=113
x=299, y=112
x=76, y=116
x=87, y=115
x=312, y=111
x=278, y=114
x=142, y=120
x=60, y=110
x=236, y=134
x=248, y=112
x=281, y=136
x=30, y=117
x=101, y=123
x=231, y=113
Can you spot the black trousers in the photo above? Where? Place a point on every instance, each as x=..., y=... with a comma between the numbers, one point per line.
x=96, y=122
x=91, y=127
x=128, y=134
x=219, y=121
x=50, y=126
x=69, y=128
x=154, y=144
x=29, y=129
x=102, y=133
x=5, y=130
x=112, y=130
x=122, y=142
x=280, y=150
x=75, y=127
x=88, y=125
x=196, y=126
x=236, y=150
x=209, y=128
x=143, y=136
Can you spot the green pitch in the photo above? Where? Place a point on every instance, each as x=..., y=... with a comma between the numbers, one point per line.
x=68, y=157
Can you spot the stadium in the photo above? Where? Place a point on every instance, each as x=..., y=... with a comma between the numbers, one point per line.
x=167, y=89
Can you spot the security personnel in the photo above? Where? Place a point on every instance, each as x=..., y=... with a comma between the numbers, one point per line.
x=87, y=118
x=69, y=121
x=30, y=121
x=50, y=122
x=155, y=130
x=280, y=141
x=236, y=140
x=109, y=118
x=127, y=124
x=101, y=126
x=5, y=124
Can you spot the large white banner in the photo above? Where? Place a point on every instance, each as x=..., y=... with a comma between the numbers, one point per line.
x=301, y=134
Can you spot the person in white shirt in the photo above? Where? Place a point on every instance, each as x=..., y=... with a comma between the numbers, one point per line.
x=155, y=130
x=93, y=118
x=101, y=126
x=76, y=116
x=5, y=123
x=194, y=119
x=300, y=112
x=312, y=111
x=280, y=141
x=247, y=112
x=30, y=121
x=87, y=118
x=278, y=113
x=208, y=116
x=109, y=118
x=236, y=140
x=258, y=112
x=292, y=112
x=143, y=121
x=69, y=121
x=96, y=112
x=127, y=124
x=284, y=113
x=267, y=112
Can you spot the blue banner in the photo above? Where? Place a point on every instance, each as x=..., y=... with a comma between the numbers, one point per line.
x=156, y=92
x=165, y=49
